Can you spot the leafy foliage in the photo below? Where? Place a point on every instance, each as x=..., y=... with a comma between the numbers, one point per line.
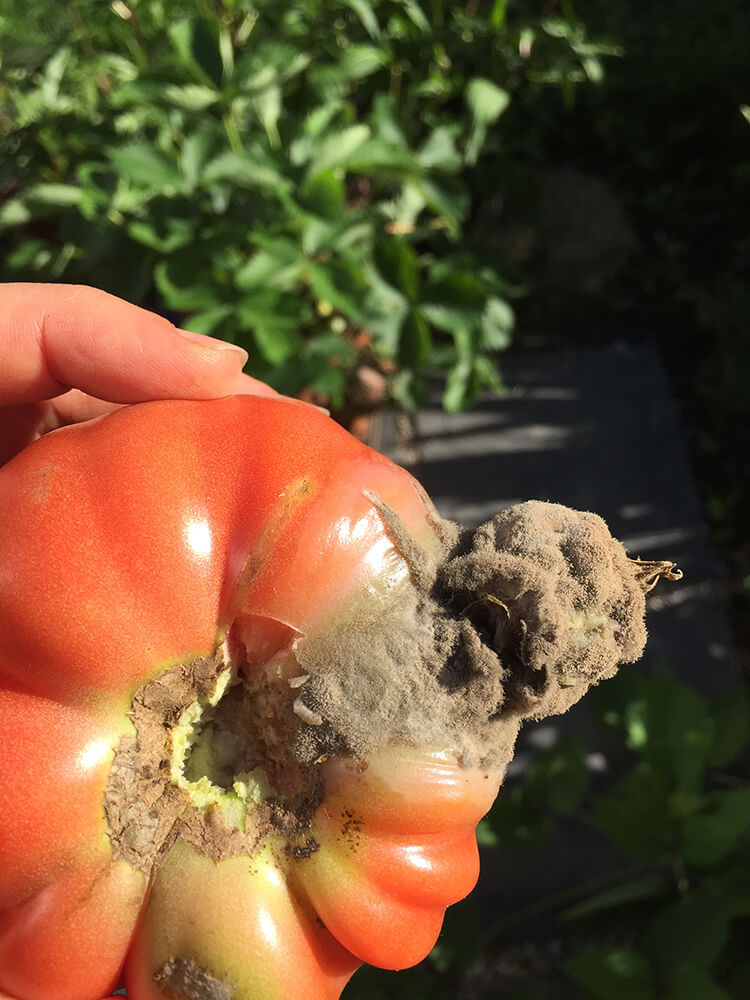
x=293, y=177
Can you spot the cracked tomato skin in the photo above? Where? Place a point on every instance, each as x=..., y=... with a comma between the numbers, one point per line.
x=131, y=544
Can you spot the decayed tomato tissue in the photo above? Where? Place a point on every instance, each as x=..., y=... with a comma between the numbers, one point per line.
x=255, y=696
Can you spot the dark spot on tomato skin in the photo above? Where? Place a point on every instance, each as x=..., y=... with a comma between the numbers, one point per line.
x=351, y=830
x=302, y=852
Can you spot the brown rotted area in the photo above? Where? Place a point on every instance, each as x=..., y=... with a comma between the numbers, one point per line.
x=254, y=726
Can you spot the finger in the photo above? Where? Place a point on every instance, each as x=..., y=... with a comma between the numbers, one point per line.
x=57, y=337
x=74, y=406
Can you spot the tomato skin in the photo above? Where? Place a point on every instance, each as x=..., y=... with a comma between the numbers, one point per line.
x=132, y=544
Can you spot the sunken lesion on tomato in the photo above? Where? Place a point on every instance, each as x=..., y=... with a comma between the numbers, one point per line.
x=212, y=760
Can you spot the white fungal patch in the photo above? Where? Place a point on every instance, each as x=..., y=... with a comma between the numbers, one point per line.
x=297, y=682
x=306, y=714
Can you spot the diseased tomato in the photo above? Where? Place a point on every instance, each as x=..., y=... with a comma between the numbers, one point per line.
x=255, y=697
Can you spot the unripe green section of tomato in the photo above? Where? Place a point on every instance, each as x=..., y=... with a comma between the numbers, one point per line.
x=233, y=925
x=140, y=550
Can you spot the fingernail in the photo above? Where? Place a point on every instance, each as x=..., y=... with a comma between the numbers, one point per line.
x=213, y=344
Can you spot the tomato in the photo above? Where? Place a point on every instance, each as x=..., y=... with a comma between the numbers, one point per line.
x=207, y=787
x=255, y=696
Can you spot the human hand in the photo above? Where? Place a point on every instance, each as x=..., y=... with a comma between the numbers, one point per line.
x=69, y=353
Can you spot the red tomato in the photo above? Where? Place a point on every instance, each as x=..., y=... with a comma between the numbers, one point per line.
x=135, y=548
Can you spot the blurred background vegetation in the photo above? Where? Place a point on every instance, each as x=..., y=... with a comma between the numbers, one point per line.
x=369, y=193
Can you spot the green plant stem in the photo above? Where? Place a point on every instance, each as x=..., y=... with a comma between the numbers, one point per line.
x=233, y=132
x=204, y=9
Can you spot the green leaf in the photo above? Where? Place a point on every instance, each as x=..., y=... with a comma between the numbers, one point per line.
x=275, y=323
x=711, y=835
x=31, y=255
x=339, y=285
x=359, y=61
x=460, y=939
x=612, y=974
x=347, y=231
x=138, y=92
x=323, y=195
x=14, y=212
x=486, y=835
x=166, y=236
x=197, y=47
x=55, y=195
x=191, y=96
x=279, y=265
x=678, y=732
x=147, y=166
x=450, y=318
x=447, y=197
x=411, y=392
x=398, y=264
x=439, y=151
x=487, y=376
x=365, y=12
x=486, y=100
x=739, y=982
x=195, y=151
x=696, y=926
x=558, y=777
x=457, y=387
x=181, y=282
x=688, y=982
x=208, y=320
x=337, y=148
x=416, y=15
x=636, y=815
x=486, y=103
x=496, y=325
x=380, y=157
x=731, y=728
x=244, y=170
x=414, y=342
x=515, y=822
x=318, y=120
